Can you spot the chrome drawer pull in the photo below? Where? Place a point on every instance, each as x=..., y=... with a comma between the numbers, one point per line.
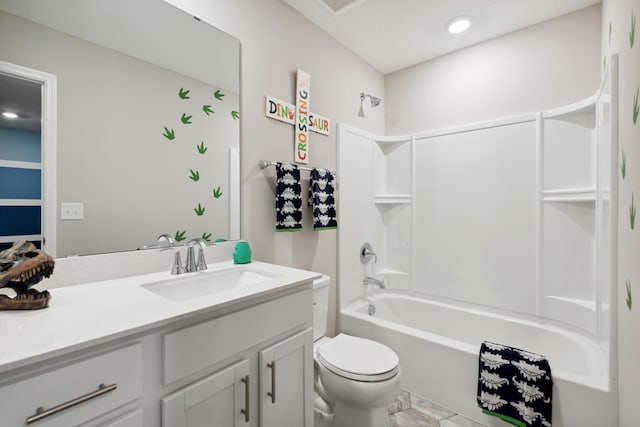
x=272, y=393
x=44, y=413
x=245, y=411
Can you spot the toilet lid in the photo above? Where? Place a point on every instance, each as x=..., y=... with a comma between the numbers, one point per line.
x=358, y=359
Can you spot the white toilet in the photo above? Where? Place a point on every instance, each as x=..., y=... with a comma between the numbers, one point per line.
x=358, y=378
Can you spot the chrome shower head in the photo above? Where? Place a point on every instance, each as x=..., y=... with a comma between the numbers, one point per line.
x=375, y=101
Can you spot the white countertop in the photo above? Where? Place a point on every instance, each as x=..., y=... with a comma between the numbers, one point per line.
x=93, y=313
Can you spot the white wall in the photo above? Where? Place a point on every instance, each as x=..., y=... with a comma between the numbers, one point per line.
x=617, y=18
x=275, y=41
x=540, y=67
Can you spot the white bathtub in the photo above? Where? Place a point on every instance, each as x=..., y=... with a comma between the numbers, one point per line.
x=438, y=345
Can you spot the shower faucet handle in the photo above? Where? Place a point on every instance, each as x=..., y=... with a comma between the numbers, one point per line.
x=366, y=253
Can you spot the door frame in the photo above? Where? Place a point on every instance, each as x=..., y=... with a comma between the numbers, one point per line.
x=49, y=147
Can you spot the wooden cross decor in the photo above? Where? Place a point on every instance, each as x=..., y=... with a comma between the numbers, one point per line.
x=300, y=116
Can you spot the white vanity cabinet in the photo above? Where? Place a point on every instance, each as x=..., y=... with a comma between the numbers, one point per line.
x=239, y=392
x=286, y=382
x=76, y=393
x=222, y=399
x=131, y=419
x=174, y=364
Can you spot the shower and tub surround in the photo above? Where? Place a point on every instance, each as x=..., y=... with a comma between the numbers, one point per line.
x=517, y=216
x=438, y=344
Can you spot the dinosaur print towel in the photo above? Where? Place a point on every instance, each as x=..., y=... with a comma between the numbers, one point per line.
x=288, y=198
x=322, y=199
x=514, y=385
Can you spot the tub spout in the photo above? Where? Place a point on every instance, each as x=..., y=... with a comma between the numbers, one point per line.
x=368, y=280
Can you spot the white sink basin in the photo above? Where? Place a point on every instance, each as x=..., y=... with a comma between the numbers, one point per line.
x=193, y=285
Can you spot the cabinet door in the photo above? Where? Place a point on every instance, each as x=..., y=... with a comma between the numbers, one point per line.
x=220, y=399
x=286, y=382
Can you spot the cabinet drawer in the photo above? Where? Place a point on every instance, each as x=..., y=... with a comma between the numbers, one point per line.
x=132, y=419
x=215, y=340
x=75, y=393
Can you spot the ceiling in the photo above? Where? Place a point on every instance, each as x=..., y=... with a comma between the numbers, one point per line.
x=95, y=21
x=394, y=34
x=21, y=97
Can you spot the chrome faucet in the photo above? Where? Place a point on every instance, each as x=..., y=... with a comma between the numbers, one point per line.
x=161, y=238
x=193, y=264
x=366, y=253
x=165, y=237
x=368, y=280
x=176, y=267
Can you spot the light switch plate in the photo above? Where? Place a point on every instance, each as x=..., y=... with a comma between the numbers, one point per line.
x=71, y=211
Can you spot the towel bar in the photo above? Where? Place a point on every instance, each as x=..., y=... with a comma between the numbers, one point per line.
x=266, y=163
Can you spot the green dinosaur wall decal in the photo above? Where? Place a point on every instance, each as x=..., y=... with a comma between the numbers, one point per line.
x=629, y=299
x=180, y=235
x=183, y=94
x=235, y=115
x=219, y=95
x=632, y=213
x=206, y=236
x=636, y=108
x=195, y=176
x=169, y=134
x=199, y=210
x=201, y=148
x=217, y=193
x=632, y=32
x=185, y=119
x=207, y=109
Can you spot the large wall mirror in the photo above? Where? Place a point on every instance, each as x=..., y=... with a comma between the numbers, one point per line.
x=145, y=104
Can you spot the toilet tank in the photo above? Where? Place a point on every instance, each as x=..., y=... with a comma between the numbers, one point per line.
x=320, y=306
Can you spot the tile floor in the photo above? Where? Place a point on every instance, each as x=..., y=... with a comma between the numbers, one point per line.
x=412, y=411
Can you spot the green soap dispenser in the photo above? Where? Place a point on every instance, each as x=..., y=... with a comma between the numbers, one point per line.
x=242, y=253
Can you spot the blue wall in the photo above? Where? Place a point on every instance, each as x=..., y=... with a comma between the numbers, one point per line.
x=18, y=220
x=19, y=183
x=20, y=145
x=16, y=183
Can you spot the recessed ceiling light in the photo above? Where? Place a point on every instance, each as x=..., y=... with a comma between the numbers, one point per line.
x=9, y=115
x=459, y=24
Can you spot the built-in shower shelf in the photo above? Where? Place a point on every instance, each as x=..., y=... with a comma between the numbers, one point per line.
x=587, y=304
x=582, y=113
x=390, y=272
x=391, y=199
x=570, y=195
x=578, y=312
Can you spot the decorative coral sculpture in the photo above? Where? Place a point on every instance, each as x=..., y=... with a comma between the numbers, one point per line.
x=21, y=267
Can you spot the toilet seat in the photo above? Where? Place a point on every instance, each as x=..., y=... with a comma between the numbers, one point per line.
x=358, y=359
